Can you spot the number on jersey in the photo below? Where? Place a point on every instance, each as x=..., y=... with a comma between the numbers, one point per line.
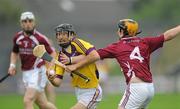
x=135, y=54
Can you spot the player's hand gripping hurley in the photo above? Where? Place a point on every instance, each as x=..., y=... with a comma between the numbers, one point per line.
x=40, y=52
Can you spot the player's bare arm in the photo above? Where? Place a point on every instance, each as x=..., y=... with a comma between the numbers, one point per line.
x=172, y=33
x=77, y=59
x=90, y=58
x=13, y=60
x=71, y=60
x=56, y=82
x=52, y=77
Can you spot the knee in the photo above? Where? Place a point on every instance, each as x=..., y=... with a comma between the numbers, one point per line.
x=28, y=100
x=45, y=105
x=42, y=106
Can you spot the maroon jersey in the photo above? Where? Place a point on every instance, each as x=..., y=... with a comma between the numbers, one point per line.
x=133, y=55
x=24, y=46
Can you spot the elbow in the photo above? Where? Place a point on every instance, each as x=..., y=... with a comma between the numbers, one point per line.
x=94, y=56
x=172, y=33
x=56, y=82
x=56, y=85
x=169, y=36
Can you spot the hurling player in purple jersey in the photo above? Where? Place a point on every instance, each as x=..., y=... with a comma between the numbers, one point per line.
x=34, y=70
x=133, y=56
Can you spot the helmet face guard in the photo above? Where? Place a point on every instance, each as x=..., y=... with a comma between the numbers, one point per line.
x=122, y=26
x=129, y=27
x=68, y=28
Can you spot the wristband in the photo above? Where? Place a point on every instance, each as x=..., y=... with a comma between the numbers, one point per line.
x=12, y=65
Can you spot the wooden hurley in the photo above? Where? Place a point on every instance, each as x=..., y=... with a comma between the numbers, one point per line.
x=40, y=52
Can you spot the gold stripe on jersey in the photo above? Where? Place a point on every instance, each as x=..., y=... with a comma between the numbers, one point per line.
x=81, y=45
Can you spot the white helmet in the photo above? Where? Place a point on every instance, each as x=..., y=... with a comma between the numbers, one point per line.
x=27, y=15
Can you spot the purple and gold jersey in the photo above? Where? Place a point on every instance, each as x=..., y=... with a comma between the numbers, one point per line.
x=80, y=47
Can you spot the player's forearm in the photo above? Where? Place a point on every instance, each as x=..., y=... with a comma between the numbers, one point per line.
x=172, y=33
x=13, y=58
x=48, y=64
x=77, y=59
x=56, y=82
x=92, y=57
x=53, y=54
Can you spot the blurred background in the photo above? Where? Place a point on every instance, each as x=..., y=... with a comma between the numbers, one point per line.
x=96, y=22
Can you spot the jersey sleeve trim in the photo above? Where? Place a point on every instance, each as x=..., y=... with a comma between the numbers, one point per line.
x=90, y=49
x=59, y=76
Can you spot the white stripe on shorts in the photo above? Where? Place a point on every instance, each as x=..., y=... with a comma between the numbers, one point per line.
x=126, y=97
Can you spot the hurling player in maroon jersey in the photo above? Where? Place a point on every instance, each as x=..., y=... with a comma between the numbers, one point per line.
x=133, y=56
x=34, y=70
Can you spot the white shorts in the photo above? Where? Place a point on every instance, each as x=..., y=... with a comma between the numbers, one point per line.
x=35, y=78
x=137, y=96
x=89, y=97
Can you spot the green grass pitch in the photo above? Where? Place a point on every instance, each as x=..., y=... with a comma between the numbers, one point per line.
x=65, y=101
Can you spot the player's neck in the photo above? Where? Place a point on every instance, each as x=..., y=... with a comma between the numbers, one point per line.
x=26, y=35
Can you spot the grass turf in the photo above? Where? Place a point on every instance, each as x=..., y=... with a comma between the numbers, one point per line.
x=65, y=101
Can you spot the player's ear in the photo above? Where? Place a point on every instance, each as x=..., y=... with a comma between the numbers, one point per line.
x=118, y=32
x=21, y=24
